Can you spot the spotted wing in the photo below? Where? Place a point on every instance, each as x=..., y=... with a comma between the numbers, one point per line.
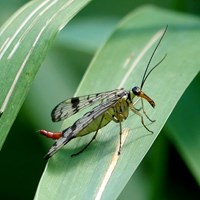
x=82, y=123
x=73, y=105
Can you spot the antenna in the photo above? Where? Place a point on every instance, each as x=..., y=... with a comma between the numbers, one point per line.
x=146, y=74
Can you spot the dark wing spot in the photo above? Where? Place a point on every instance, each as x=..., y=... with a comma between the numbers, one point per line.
x=97, y=94
x=73, y=127
x=90, y=101
x=75, y=101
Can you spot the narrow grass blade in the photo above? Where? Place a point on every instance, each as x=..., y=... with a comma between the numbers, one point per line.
x=24, y=41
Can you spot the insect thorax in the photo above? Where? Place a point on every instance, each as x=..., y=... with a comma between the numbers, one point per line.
x=120, y=110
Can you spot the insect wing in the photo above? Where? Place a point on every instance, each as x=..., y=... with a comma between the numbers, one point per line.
x=80, y=124
x=73, y=105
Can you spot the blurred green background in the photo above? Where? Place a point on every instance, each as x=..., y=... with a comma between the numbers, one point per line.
x=163, y=173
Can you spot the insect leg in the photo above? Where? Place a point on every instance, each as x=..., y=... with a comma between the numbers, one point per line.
x=120, y=133
x=141, y=116
x=120, y=138
x=145, y=112
x=93, y=138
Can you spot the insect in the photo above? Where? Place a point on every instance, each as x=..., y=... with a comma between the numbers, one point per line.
x=113, y=106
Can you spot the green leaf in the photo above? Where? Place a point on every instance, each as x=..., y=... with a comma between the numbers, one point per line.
x=24, y=41
x=183, y=127
x=98, y=173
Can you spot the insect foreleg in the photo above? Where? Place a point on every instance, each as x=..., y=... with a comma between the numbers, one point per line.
x=145, y=112
x=138, y=109
x=93, y=138
x=141, y=116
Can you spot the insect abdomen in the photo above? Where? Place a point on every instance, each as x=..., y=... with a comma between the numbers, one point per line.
x=95, y=125
x=117, y=113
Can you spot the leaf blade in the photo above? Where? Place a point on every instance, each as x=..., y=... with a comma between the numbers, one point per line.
x=84, y=175
x=25, y=39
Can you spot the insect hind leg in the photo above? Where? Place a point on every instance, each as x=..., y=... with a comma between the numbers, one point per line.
x=93, y=138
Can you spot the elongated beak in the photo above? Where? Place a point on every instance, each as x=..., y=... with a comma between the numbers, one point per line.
x=143, y=95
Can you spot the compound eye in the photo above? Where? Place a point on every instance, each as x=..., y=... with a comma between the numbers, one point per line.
x=136, y=91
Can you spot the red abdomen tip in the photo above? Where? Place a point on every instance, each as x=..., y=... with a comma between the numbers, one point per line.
x=54, y=136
